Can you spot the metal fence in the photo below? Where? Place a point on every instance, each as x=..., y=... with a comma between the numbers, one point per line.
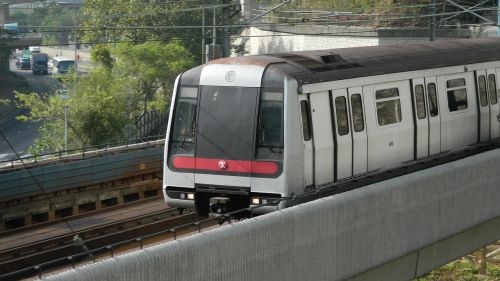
x=81, y=153
x=151, y=123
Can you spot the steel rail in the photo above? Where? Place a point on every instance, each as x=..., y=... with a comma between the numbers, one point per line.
x=61, y=247
x=34, y=226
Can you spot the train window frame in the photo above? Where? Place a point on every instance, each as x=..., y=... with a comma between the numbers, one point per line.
x=384, y=97
x=433, y=99
x=482, y=90
x=455, y=86
x=420, y=106
x=492, y=88
x=341, y=116
x=358, y=118
x=183, y=135
x=305, y=114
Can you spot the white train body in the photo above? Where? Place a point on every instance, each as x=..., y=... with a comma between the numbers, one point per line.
x=243, y=130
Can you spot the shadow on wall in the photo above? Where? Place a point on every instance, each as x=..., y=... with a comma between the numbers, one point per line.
x=275, y=45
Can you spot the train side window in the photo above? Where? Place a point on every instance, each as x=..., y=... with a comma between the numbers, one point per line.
x=457, y=94
x=492, y=83
x=387, y=93
x=306, y=122
x=388, y=106
x=481, y=84
x=433, y=102
x=357, y=113
x=341, y=114
x=420, y=101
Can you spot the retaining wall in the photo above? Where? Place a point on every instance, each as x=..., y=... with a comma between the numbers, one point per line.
x=61, y=176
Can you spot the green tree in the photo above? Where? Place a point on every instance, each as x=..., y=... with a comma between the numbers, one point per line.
x=104, y=105
x=153, y=67
x=63, y=19
x=101, y=55
x=141, y=21
x=54, y=21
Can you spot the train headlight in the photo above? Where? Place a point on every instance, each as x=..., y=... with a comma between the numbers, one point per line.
x=255, y=201
x=182, y=195
x=190, y=196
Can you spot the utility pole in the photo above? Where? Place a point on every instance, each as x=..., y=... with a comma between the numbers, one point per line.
x=433, y=22
x=65, y=108
x=202, y=33
x=225, y=31
x=213, y=51
x=498, y=18
x=214, y=31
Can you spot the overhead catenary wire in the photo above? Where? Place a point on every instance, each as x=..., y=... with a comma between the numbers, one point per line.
x=40, y=29
x=315, y=20
x=322, y=21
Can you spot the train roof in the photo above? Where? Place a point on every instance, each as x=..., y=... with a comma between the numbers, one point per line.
x=345, y=63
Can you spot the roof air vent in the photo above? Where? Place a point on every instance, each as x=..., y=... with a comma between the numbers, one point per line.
x=332, y=59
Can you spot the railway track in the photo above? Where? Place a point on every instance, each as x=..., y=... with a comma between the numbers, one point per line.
x=21, y=257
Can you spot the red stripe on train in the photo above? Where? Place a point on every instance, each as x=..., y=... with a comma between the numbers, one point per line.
x=235, y=166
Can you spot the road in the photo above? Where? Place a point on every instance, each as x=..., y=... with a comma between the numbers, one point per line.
x=20, y=135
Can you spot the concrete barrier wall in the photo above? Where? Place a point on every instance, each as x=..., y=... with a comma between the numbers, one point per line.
x=333, y=238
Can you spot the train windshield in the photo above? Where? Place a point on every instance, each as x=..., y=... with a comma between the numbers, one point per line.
x=227, y=117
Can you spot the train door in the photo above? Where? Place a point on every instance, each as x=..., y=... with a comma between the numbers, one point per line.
x=421, y=118
x=305, y=116
x=494, y=106
x=458, y=108
x=389, y=124
x=358, y=129
x=343, y=163
x=433, y=115
x=484, y=108
x=323, y=155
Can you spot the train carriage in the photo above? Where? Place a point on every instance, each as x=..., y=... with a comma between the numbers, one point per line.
x=246, y=130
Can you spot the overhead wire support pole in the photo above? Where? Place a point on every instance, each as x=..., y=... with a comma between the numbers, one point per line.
x=203, y=34
x=433, y=22
x=469, y=10
x=225, y=30
x=459, y=13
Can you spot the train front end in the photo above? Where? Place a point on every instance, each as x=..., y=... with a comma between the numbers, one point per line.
x=224, y=148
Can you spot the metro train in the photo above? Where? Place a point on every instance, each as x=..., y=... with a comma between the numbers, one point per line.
x=246, y=130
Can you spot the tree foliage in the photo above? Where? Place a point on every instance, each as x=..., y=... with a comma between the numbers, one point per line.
x=141, y=21
x=101, y=55
x=104, y=105
x=53, y=20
